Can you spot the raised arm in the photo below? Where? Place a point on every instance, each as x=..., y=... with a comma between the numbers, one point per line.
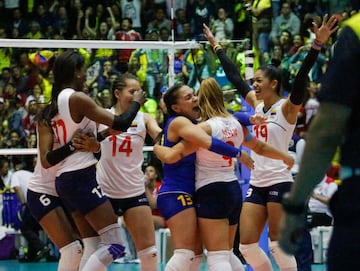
x=298, y=92
x=230, y=68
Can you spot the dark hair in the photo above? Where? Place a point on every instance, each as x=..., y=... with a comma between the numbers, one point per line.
x=170, y=98
x=273, y=73
x=64, y=69
x=120, y=83
x=128, y=19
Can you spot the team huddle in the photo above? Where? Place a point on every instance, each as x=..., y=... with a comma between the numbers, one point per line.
x=90, y=164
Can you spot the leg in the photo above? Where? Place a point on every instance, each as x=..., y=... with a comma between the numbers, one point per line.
x=284, y=261
x=90, y=238
x=235, y=262
x=139, y=223
x=58, y=228
x=183, y=228
x=215, y=235
x=252, y=221
x=104, y=221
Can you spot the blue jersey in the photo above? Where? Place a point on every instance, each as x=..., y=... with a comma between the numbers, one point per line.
x=179, y=176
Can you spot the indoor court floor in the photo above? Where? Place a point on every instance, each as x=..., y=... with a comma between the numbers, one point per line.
x=14, y=265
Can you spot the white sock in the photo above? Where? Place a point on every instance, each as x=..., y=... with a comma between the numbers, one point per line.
x=284, y=261
x=90, y=246
x=256, y=257
x=235, y=262
x=219, y=260
x=70, y=256
x=148, y=259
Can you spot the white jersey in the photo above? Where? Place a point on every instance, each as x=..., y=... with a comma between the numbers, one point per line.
x=212, y=167
x=64, y=127
x=323, y=189
x=43, y=179
x=119, y=170
x=277, y=132
x=21, y=178
x=311, y=107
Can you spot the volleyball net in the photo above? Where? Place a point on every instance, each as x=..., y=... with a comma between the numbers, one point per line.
x=194, y=54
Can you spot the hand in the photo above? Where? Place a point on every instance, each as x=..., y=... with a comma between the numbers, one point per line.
x=290, y=232
x=246, y=160
x=327, y=28
x=85, y=141
x=209, y=35
x=257, y=119
x=289, y=161
x=139, y=96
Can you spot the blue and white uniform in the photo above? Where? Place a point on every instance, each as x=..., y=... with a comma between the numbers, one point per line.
x=76, y=176
x=119, y=170
x=270, y=177
x=41, y=194
x=218, y=193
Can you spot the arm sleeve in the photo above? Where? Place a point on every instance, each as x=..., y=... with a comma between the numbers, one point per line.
x=299, y=89
x=123, y=122
x=220, y=147
x=56, y=156
x=243, y=118
x=232, y=73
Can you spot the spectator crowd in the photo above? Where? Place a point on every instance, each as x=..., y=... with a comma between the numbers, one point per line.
x=278, y=32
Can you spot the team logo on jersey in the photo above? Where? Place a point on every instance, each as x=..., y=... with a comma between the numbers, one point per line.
x=273, y=112
x=134, y=124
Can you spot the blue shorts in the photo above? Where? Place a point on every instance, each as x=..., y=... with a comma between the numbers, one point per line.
x=219, y=200
x=172, y=203
x=79, y=190
x=263, y=195
x=120, y=206
x=40, y=204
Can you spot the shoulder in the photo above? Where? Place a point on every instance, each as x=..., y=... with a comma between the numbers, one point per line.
x=179, y=120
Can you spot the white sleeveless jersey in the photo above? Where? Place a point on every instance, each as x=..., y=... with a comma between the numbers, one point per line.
x=276, y=132
x=64, y=127
x=43, y=180
x=212, y=167
x=119, y=170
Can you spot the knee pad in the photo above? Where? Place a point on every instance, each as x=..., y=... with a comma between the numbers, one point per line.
x=108, y=253
x=180, y=260
x=256, y=257
x=103, y=256
x=235, y=262
x=70, y=256
x=148, y=259
x=284, y=261
x=90, y=246
x=219, y=260
x=195, y=265
x=111, y=235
